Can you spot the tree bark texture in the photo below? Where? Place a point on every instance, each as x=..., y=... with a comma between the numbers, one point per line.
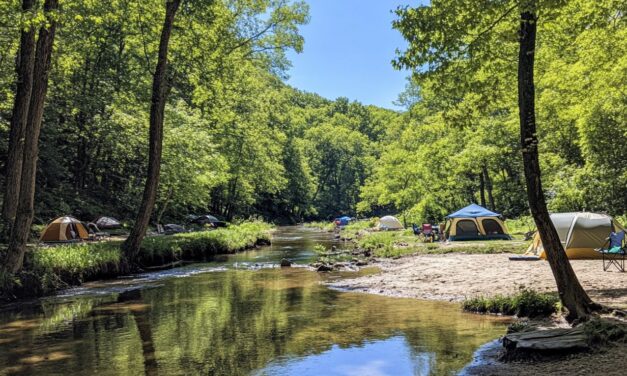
x=488, y=186
x=482, y=189
x=13, y=168
x=571, y=293
x=25, y=205
x=159, y=92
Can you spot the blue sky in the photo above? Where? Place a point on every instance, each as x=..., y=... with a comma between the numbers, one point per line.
x=348, y=48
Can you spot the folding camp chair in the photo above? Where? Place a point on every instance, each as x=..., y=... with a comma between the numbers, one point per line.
x=427, y=232
x=416, y=229
x=614, y=254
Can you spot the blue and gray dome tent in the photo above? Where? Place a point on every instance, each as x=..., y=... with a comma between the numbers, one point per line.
x=474, y=222
x=473, y=211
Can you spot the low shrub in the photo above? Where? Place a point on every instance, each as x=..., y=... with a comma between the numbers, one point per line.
x=527, y=303
x=320, y=249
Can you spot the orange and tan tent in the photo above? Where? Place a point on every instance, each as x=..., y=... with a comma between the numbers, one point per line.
x=64, y=229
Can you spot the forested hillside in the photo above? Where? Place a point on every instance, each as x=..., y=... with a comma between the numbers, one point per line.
x=239, y=142
x=461, y=142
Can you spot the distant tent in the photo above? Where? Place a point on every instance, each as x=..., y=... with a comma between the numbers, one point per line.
x=475, y=222
x=390, y=223
x=204, y=219
x=580, y=234
x=207, y=219
x=342, y=221
x=64, y=229
x=107, y=223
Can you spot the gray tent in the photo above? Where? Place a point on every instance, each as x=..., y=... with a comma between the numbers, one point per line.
x=580, y=234
x=107, y=223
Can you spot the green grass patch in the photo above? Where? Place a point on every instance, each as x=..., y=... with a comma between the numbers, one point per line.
x=76, y=259
x=199, y=245
x=527, y=303
x=322, y=226
x=399, y=243
x=47, y=269
x=364, y=224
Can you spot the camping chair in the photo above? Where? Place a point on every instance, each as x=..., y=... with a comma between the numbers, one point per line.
x=614, y=254
x=416, y=229
x=427, y=231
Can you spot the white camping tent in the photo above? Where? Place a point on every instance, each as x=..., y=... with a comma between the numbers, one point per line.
x=390, y=223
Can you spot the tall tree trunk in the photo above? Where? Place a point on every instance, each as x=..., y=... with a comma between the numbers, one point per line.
x=488, y=186
x=159, y=92
x=25, y=205
x=482, y=189
x=166, y=202
x=15, y=155
x=571, y=293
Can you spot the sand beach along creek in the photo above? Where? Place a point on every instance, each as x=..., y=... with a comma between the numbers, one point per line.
x=239, y=315
x=456, y=276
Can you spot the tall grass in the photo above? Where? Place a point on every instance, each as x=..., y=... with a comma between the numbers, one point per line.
x=49, y=268
x=527, y=303
x=203, y=244
x=322, y=225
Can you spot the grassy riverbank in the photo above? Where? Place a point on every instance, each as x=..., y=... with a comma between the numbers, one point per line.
x=47, y=269
x=399, y=243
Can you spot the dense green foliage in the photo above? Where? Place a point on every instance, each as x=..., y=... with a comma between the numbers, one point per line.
x=460, y=142
x=527, y=303
x=240, y=142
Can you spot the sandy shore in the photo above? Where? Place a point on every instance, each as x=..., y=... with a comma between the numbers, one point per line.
x=455, y=276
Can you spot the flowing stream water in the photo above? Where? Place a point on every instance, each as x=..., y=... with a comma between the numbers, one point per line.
x=238, y=315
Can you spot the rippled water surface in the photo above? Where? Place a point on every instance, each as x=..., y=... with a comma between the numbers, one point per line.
x=239, y=315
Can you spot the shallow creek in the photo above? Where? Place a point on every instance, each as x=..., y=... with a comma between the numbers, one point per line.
x=238, y=315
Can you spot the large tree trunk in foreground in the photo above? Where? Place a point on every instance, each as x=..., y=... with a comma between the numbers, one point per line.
x=25, y=205
x=571, y=293
x=159, y=90
x=13, y=168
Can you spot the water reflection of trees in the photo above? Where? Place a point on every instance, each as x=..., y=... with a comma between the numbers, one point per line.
x=234, y=322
